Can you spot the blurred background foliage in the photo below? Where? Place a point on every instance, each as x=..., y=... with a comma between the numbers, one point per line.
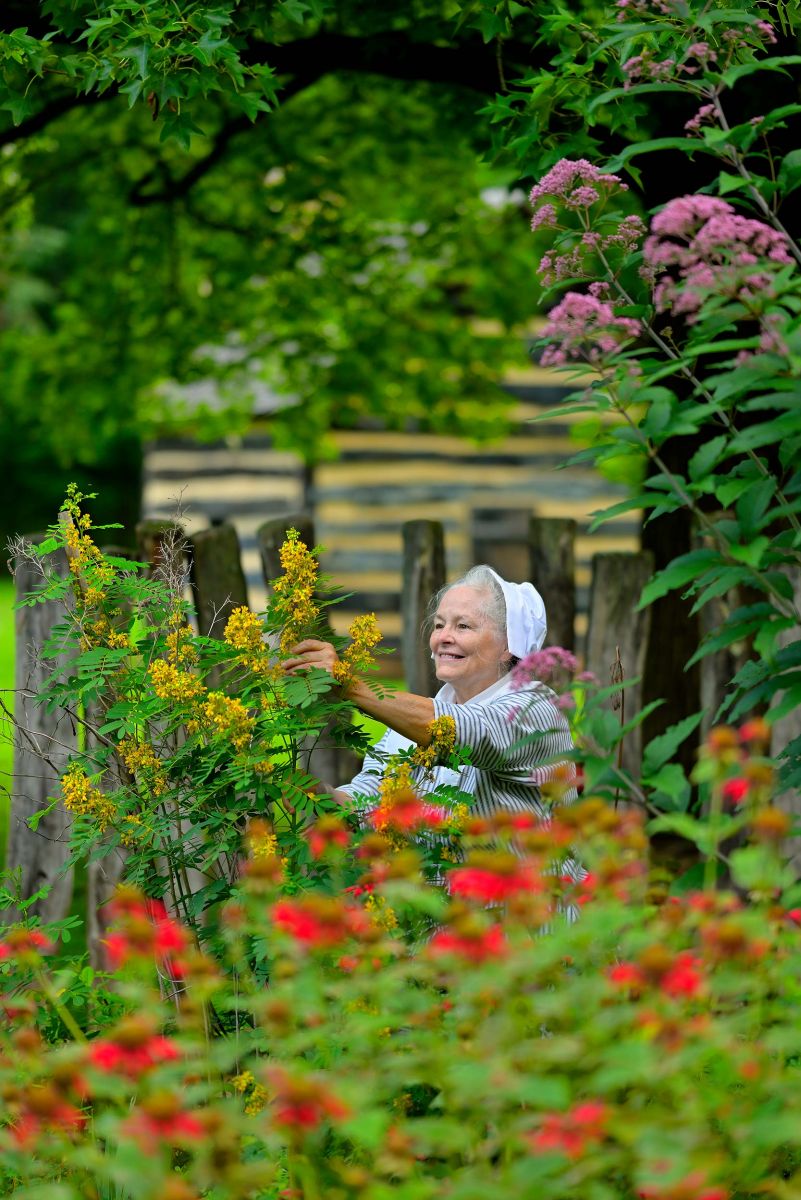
x=309, y=209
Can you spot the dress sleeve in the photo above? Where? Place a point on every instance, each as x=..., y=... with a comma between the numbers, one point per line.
x=513, y=734
x=368, y=781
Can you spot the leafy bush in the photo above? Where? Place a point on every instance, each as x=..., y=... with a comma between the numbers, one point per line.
x=647, y=1049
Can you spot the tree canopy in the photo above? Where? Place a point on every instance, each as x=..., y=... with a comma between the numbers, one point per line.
x=317, y=207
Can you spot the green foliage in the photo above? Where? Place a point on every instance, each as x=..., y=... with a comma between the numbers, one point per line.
x=649, y=1047
x=693, y=332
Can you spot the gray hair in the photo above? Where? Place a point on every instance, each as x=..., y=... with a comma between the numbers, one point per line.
x=482, y=579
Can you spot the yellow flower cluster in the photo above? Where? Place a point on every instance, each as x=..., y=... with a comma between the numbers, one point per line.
x=243, y=630
x=228, y=715
x=255, y=1096
x=102, y=633
x=180, y=645
x=261, y=839
x=86, y=561
x=294, y=591
x=84, y=799
x=396, y=781
x=382, y=913
x=443, y=740
x=169, y=683
x=365, y=634
x=141, y=758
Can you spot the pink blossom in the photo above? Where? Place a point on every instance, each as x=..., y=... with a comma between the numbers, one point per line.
x=542, y=664
x=583, y=327
x=582, y=197
x=567, y=174
x=703, y=114
x=545, y=215
x=765, y=29
x=709, y=247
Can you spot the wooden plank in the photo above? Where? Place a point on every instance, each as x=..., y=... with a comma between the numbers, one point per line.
x=423, y=576
x=618, y=632
x=43, y=744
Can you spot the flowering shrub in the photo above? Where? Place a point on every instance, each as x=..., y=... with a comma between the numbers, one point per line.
x=689, y=326
x=647, y=1049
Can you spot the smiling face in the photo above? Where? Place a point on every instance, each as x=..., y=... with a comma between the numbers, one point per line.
x=467, y=647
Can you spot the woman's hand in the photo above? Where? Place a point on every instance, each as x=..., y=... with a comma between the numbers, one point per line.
x=311, y=653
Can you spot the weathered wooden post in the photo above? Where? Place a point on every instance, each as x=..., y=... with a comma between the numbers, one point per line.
x=43, y=743
x=423, y=576
x=499, y=538
x=552, y=570
x=617, y=636
x=330, y=764
x=218, y=580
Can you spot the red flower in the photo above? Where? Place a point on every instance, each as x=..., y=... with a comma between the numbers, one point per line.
x=23, y=943
x=572, y=1132
x=302, y=1102
x=736, y=790
x=474, y=945
x=159, y=1121
x=626, y=975
x=488, y=886
x=42, y=1109
x=683, y=977
x=320, y=921
x=326, y=834
x=133, y=1047
x=407, y=813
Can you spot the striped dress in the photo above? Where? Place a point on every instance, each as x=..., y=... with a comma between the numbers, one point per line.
x=515, y=738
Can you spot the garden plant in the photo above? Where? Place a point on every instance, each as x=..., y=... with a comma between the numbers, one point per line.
x=406, y=1000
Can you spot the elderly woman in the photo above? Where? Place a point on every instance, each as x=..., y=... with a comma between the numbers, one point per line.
x=482, y=626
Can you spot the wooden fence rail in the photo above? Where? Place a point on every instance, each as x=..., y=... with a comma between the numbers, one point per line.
x=542, y=549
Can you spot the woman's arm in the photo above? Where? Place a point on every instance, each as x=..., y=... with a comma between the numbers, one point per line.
x=404, y=712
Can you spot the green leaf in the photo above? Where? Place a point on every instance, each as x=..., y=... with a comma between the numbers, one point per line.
x=751, y=554
x=681, y=571
x=704, y=459
x=35, y=818
x=731, y=76
x=663, y=747
x=689, y=145
x=671, y=781
x=790, y=172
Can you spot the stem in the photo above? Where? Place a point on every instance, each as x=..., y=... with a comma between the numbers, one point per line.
x=742, y=170
x=63, y=1014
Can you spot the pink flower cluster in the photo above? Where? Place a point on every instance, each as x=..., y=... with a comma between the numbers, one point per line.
x=582, y=328
x=644, y=8
x=544, y=664
x=705, y=112
x=577, y=183
x=707, y=246
x=641, y=66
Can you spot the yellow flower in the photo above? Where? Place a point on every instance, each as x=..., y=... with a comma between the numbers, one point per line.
x=243, y=630
x=140, y=757
x=227, y=715
x=261, y=839
x=443, y=740
x=171, y=684
x=381, y=912
x=365, y=634
x=84, y=799
x=254, y=1094
x=180, y=647
x=293, y=592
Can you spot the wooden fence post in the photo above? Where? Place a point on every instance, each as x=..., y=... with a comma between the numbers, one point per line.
x=499, y=538
x=218, y=580
x=619, y=632
x=423, y=576
x=330, y=764
x=552, y=570
x=43, y=743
